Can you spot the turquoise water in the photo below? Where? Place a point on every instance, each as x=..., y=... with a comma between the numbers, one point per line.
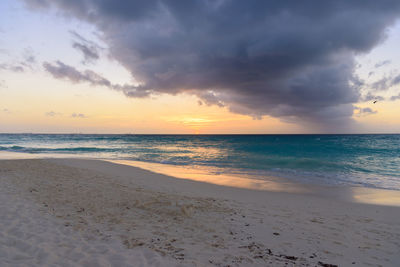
x=356, y=160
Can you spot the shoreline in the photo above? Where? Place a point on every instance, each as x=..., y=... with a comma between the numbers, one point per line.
x=358, y=194
x=168, y=221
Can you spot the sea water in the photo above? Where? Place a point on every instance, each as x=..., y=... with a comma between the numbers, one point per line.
x=354, y=160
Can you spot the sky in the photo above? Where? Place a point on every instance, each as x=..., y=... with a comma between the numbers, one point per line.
x=199, y=67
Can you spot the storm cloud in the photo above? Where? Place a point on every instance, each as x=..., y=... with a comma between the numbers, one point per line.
x=289, y=59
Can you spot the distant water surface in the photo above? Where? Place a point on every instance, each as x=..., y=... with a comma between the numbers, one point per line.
x=356, y=160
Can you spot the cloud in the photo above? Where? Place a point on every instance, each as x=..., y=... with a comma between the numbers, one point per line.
x=395, y=97
x=385, y=83
x=90, y=54
x=396, y=80
x=60, y=70
x=52, y=114
x=78, y=115
x=289, y=59
x=372, y=97
x=12, y=67
x=89, y=49
x=6, y=110
x=20, y=65
x=365, y=111
x=382, y=84
x=28, y=56
x=382, y=63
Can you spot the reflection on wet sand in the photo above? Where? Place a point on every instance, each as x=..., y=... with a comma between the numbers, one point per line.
x=214, y=177
x=353, y=194
x=376, y=196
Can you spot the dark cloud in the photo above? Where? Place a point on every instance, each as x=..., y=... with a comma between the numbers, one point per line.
x=382, y=63
x=60, y=70
x=289, y=59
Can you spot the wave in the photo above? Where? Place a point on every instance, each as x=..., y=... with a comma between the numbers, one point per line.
x=366, y=160
x=56, y=150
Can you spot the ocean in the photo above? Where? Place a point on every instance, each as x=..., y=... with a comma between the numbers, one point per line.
x=350, y=160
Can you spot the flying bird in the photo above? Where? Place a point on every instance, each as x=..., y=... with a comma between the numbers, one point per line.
x=375, y=101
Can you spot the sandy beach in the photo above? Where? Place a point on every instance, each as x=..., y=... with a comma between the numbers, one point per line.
x=199, y=133
x=77, y=212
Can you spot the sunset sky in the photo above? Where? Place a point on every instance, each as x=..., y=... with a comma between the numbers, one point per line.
x=200, y=67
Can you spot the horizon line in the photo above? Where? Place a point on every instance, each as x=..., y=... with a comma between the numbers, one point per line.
x=194, y=134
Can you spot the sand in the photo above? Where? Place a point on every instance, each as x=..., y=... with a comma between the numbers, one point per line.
x=77, y=212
